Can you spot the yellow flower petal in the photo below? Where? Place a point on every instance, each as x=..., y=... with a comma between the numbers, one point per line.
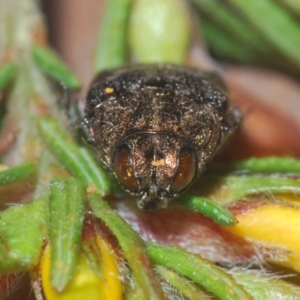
x=85, y=283
x=112, y=277
x=274, y=226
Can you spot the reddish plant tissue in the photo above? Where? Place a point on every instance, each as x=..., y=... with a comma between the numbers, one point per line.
x=7, y=136
x=188, y=230
x=8, y=282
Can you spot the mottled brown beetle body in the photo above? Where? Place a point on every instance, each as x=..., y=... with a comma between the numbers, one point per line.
x=157, y=127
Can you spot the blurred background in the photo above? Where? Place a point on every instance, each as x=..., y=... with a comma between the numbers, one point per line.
x=253, y=44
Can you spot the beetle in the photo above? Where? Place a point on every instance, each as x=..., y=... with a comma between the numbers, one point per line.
x=156, y=127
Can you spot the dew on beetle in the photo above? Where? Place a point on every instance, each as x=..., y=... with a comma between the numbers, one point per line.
x=156, y=127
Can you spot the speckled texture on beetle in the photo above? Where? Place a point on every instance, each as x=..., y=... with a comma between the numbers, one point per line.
x=157, y=127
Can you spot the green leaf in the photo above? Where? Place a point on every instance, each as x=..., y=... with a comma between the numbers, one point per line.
x=52, y=65
x=112, y=44
x=7, y=73
x=16, y=181
x=272, y=164
x=223, y=18
x=275, y=25
x=209, y=209
x=17, y=173
x=77, y=160
x=228, y=189
x=201, y=271
x=225, y=45
x=292, y=5
x=188, y=289
x=66, y=221
x=23, y=229
x=263, y=286
x=132, y=246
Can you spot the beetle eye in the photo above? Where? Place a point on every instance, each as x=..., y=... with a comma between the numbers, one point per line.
x=185, y=172
x=123, y=168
